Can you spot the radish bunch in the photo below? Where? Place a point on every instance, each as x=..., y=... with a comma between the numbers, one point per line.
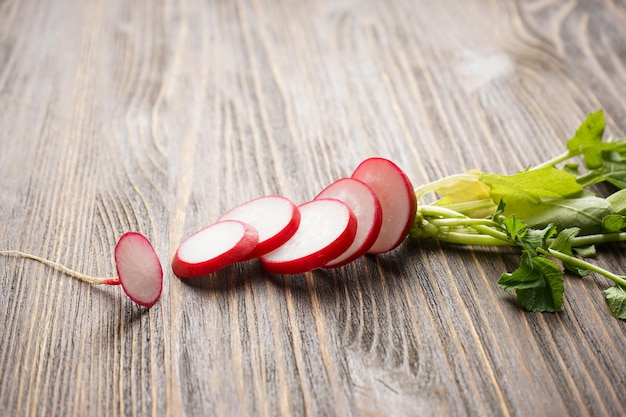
x=372, y=211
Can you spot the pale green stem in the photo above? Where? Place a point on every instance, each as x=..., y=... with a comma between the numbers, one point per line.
x=433, y=186
x=556, y=160
x=461, y=222
x=437, y=211
x=61, y=268
x=482, y=226
x=608, y=146
x=588, y=240
x=571, y=260
x=472, y=239
x=492, y=232
x=472, y=206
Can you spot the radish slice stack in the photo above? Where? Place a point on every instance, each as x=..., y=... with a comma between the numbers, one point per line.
x=275, y=218
x=213, y=248
x=367, y=209
x=370, y=212
x=327, y=229
x=396, y=195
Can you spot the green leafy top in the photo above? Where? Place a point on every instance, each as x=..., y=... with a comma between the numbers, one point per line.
x=548, y=211
x=588, y=140
x=538, y=281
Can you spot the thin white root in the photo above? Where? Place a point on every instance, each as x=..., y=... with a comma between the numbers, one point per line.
x=61, y=268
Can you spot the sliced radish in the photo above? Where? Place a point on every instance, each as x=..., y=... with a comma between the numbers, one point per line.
x=213, y=248
x=367, y=209
x=139, y=269
x=398, y=201
x=275, y=218
x=327, y=229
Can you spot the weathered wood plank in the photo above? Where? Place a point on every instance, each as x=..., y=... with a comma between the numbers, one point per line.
x=158, y=116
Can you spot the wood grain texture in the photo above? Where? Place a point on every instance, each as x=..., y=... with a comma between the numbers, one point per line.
x=157, y=116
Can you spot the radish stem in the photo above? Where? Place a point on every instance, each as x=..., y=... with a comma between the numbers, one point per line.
x=618, y=279
x=472, y=239
x=454, y=227
x=61, y=268
x=430, y=187
x=556, y=160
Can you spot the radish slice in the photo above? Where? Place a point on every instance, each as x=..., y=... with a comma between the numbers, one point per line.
x=398, y=201
x=213, y=248
x=367, y=209
x=275, y=218
x=139, y=269
x=327, y=229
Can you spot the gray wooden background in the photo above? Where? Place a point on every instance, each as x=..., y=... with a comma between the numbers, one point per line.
x=157, y=116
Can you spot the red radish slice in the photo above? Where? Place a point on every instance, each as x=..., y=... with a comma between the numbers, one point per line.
x=327, y=229
x=395, y=192
x=139, y=269
x=275, y=219
x=213, y=248
x=367, y=209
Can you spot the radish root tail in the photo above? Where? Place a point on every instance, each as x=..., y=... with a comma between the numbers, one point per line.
x=57, y=266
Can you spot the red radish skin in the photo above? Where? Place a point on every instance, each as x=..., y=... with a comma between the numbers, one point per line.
x=139, y=269
x=213, y=248
x=397, y=198
x=275, y=218
x=327, y=229
x=367, y=209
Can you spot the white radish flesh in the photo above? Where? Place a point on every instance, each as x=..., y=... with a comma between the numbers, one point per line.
x=139, y=269
x=397, y=198
x=213, y=248
x=275, y=218
x=367, y=209
x=327, y=229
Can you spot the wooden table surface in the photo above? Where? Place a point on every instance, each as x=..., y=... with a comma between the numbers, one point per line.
x=157, y=116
